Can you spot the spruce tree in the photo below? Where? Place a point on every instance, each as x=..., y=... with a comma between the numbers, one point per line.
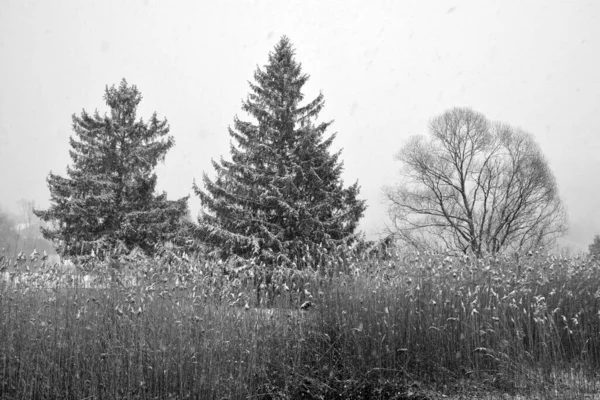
x=281, y=197
x=108, y=201
x=594, y=248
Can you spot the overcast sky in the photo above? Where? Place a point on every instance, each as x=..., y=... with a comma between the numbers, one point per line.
x=385, y=68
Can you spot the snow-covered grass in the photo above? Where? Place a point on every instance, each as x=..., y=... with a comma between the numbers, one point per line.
x=416, y=324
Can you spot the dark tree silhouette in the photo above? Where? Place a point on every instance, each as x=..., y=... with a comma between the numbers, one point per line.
x=281, y=197
x=594, y=248
x=107, y=200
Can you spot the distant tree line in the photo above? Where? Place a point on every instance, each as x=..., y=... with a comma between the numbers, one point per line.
x=474, y=186
x=20, y=233
x=7, y=232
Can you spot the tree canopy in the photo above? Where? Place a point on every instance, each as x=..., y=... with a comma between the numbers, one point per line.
x=475, y=185
x=108, y=201
x=281, y=197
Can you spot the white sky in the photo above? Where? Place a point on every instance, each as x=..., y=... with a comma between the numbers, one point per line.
x=385, y=68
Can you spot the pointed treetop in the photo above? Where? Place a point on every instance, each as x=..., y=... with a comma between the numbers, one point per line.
x=284, y=46
x=123, y=101
x=283, y=55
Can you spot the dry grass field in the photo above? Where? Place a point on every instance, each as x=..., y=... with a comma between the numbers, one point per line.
x=412, y=326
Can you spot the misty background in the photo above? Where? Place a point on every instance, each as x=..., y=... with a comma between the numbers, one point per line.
x=385, y=69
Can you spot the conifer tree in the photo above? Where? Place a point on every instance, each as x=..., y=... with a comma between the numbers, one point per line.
x=594, y=248
x=108, y=201
x=281, y=197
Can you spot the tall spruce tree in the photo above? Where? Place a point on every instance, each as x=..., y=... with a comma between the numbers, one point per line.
x=281, y=197
x=108, y=201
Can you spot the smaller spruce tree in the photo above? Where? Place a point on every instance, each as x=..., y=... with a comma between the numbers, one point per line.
x=108, y=201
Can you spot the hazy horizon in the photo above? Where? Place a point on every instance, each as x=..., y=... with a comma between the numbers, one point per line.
x=385, y=69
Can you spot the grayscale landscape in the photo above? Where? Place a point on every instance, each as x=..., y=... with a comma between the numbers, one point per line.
x=299, y=200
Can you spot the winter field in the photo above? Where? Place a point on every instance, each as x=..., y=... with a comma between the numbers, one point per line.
x=413, y=326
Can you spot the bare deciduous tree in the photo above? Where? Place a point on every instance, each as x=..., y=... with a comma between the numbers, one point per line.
x=475, y=186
